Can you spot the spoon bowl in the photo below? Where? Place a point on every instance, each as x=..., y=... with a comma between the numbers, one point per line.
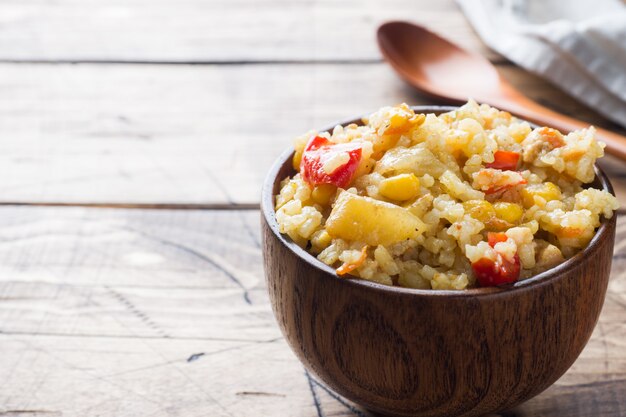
x=438, y=68
x=441, y=69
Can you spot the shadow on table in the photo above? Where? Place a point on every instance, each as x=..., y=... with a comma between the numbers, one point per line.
x=594, y=399
x=597, y=399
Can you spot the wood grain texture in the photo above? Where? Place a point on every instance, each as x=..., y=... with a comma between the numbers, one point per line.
x=115, y=312
x=141, y=274
x=102, y=376
x=428, y=353
x=135, y=134
x=214, y=30
x=164, y=312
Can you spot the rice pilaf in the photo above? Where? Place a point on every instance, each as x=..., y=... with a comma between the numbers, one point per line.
x=472, y=197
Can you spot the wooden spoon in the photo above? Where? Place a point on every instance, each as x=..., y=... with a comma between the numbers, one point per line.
x=441, y=69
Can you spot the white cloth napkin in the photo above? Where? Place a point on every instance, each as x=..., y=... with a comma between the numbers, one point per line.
x=579, y=45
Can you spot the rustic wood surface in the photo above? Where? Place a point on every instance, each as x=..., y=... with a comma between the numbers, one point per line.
x=146, y=134
x=164, y=312
x=146, y=311
x=191, y=31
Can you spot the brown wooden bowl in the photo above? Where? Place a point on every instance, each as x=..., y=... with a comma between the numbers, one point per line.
x=408, y=352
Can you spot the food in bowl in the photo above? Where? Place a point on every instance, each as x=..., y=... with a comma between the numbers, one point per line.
x=471, y=197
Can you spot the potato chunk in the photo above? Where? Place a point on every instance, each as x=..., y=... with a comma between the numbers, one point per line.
x=417, y=160
x=364, y=219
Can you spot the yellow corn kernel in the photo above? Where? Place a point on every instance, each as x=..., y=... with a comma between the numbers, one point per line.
x=323, y=193
x=547, y=191
x=400, y=123
x=321, y=239
x=509, y=212
x=400, y=187
x=297, y=157
x=480, y=210
x=398, y=120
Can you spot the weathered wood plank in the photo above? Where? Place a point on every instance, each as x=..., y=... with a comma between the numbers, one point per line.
x=170, y=250
x=118, y=312
x=112, y=377
x=133, y=273
x=136, y=134
x=215, y=30
x=139, y=377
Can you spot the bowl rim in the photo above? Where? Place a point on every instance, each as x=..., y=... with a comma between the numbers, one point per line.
x=541, y=279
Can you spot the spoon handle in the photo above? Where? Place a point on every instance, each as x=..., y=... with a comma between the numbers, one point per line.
x=534, y=112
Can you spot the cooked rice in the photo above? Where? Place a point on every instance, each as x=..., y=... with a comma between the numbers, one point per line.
x=436, y=200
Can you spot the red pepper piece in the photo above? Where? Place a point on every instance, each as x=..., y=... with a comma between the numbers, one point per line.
x=490, y=273
x=504, y=160
x=495, y=237
x=319, y=150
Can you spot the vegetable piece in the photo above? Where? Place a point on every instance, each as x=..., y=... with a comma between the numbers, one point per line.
x=401, y=123
x=417, y=160
x=400, y=187
x=570, y=232
x=493, y=181
x=348, y=267
x=323, y=193
x=320, y=240
x=504, y=160
x=552, y=136
x=547, y=191
x=479, y=209
x=541, y=141
x=509, y=212
x=490, y=273
x=495, y=237
x=324, y=162
x=374, y=222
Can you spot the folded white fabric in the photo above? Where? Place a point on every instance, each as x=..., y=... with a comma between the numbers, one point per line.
x=578, y=45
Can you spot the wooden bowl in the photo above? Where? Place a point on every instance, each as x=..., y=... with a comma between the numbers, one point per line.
x=408, y=352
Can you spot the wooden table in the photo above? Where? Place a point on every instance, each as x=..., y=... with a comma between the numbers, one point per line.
x=134, y=135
